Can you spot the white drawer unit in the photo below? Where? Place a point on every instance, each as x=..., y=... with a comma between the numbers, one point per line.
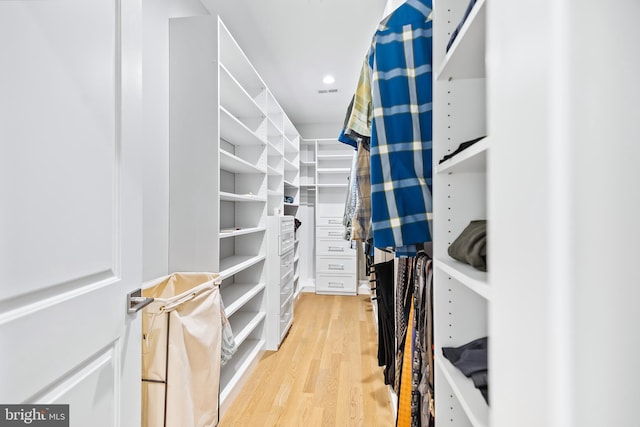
x=337, y=265
x=333, y=247
x=329, y=222
x=335, y=259
x=333, y=232
x=280, y=278
x=330, y=283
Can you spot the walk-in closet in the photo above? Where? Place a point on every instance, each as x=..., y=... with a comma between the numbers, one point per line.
x=372, y=213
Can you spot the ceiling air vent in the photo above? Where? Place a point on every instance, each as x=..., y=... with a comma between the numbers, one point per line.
x=327, y=91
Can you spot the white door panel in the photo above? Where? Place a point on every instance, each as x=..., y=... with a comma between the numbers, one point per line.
x=59, y=141
x=70, y=206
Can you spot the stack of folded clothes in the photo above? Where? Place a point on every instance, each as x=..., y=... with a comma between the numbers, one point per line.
x=471, y=360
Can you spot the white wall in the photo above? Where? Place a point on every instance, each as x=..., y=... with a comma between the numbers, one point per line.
x=564, y=201
x=155, y=81
x=319, y=130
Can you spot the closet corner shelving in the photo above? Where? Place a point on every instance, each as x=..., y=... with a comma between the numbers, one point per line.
x=233, y=157
x=306, y=242
x=336, y=261
x=462, y=294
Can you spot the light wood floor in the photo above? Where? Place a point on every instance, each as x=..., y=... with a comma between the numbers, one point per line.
x=325, y=374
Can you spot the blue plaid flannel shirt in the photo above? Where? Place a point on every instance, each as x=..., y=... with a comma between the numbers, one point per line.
x=401, y=143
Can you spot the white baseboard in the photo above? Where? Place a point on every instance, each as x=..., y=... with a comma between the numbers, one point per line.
x=364, y=288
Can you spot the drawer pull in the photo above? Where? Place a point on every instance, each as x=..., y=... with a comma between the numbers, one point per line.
x=336, y=266
x=335, y=233
x=336, y=249
x=336, y=284
x=335, y=221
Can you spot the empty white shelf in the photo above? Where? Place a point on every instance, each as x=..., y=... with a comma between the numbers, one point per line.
x=231, y=197
x=235, y=132
x=236, y=295
x=234, y=98
x=234, y=264
x=232, y=232
x=235, y=164
x=469, y=397
x=243, y=323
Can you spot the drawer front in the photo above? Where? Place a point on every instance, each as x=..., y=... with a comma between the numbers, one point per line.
x=329, y=221
x=338, y=265
x=286, y=263
x=287, y=276
x=287, y=240
x=286, y=224
x=336, y=233
x=334, y=247
x=330, y=283
x=286, y=290
x=285, y=317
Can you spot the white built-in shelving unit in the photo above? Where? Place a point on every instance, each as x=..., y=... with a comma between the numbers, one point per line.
x=336, y=261
x=462, y=294
x=233, y=157
x=306, y=211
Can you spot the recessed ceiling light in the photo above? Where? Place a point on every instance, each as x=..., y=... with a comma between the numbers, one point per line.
x=328, y=79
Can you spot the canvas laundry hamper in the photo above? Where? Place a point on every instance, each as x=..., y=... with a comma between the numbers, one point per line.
x=181, y=345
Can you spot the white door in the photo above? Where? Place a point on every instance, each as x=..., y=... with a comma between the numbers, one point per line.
x=70, y=207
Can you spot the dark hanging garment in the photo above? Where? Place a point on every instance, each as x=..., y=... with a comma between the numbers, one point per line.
x=383, y=278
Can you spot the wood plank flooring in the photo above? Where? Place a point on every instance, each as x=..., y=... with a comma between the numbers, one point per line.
x=326, y=372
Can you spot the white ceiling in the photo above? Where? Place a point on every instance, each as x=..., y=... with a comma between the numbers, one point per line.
x=294, y=43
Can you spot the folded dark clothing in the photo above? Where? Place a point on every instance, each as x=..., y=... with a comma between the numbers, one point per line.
x=463, y=146
x=480, y=379
x=453, y=354
x=470, y=246
x=472, y=361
